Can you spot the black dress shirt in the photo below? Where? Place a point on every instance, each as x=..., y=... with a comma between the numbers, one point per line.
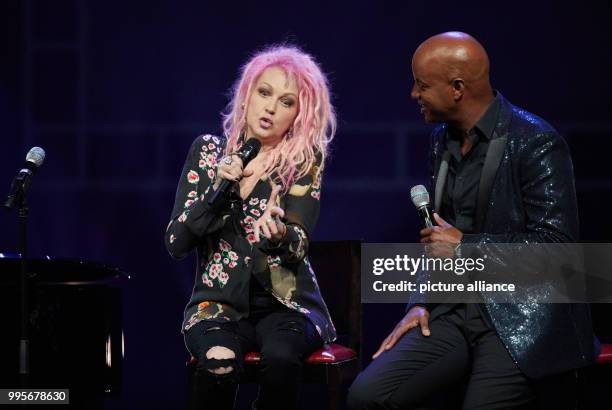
x=460, y=196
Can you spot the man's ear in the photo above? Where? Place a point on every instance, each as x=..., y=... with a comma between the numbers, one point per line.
x=458, y=88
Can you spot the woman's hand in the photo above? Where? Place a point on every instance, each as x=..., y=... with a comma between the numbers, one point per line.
x=231, y=169
x=270, y=224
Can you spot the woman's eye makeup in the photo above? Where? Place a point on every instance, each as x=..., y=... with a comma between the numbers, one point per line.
x=287, y=102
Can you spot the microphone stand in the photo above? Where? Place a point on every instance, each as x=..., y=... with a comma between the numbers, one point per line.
x=18, y=199
x=24, y=341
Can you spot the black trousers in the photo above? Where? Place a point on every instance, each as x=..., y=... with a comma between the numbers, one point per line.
x=283, y=336
x=462, y=364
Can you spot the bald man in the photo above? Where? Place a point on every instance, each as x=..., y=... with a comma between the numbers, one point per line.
x=501, y=175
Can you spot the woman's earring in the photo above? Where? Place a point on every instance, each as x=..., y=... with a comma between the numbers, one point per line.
x=289, y=132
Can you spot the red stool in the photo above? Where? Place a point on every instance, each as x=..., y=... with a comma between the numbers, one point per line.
x=335, y=365
x=605, y=356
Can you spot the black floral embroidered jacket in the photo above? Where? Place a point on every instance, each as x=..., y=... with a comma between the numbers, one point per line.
x=228, y=257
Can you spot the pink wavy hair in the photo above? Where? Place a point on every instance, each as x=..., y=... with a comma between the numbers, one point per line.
x=314, y=126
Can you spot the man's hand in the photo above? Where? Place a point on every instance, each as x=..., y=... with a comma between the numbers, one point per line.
x=417, y=316
x=441, y=240
x=443, y=233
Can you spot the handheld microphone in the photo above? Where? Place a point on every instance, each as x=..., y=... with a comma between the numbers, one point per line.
x=22, y=181
x=420, y=199
x=247, y=152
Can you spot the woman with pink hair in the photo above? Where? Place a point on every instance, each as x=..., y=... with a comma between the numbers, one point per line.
x=254, y=287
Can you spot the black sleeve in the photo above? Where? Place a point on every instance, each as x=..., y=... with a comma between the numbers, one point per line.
x=549, y=196
x=192, y=219
x=301, y=206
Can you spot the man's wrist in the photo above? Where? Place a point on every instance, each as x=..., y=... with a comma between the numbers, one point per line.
x=457, y=250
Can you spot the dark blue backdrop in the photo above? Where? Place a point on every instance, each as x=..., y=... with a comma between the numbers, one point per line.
x=116, y=91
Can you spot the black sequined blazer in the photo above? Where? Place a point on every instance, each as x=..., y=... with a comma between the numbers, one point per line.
x=527, y=195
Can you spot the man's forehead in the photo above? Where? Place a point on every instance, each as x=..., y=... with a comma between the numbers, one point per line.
x=425, y=68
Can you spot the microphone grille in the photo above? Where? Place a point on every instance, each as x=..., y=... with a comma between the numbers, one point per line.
x=253, y=143
x=36, y=155
x=249, y=150
x=419, y=195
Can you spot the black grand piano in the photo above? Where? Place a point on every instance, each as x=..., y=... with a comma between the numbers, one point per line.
x=75, y=326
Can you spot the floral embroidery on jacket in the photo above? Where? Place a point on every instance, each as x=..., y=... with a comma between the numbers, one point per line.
x=183, y=217
x=316, y=182
x=206, y=311
x=298, y=249
x=215, y=269
x=274, y=261
x=193, y=177
x=291, y=304
x=208, y=156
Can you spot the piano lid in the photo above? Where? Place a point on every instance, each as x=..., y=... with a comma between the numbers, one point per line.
x=50, y=270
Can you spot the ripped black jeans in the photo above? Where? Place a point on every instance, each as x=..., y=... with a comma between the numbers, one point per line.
x=283, y=336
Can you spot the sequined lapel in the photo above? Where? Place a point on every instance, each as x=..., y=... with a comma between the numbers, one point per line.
x=495, y=153
x=441, y=180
